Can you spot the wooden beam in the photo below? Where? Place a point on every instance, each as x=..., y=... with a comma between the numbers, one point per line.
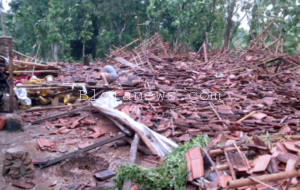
x=52, y=107
x=60, y=114
x=37, y=71
x=31, y=64
x=11, y=81
x=133, y=150
x=69, y=155
x=141, y=148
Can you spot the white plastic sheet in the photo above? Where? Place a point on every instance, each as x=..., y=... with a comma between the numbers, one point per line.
x=162, y=145
x=22, y=96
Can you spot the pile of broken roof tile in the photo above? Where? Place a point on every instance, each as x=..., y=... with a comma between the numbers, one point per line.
x=247, y=101
x=246, y=164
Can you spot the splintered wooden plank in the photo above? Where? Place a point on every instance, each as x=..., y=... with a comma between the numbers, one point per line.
x=239, y=161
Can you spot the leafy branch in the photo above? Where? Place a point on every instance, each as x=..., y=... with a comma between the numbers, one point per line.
x=171, y=173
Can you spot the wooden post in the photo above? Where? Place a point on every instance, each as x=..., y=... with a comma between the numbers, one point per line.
x=86, y=61
x=133, y=150
x=205, y=52
x=8, y=39
x=11, y=80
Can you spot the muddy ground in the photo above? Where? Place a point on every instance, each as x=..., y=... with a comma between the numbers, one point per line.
x=78, y=170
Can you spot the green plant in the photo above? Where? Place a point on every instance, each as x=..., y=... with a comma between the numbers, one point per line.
x=68, y=59
x=90, y=56
x=171, y=172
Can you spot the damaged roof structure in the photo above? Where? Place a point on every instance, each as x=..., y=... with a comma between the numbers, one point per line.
x=246, y=101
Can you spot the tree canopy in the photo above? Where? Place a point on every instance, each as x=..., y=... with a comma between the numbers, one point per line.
x=71, y=29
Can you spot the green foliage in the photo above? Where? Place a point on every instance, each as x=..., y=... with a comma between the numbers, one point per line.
x=190, y=21
x=172, y=171
x=285, y=26
x=97, y=24
x=89, y=56
x=68, y=59
x=55, y=21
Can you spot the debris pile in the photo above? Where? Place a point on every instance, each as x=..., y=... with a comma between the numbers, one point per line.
x=243, y=99
x=249, y=163
x=246, y=101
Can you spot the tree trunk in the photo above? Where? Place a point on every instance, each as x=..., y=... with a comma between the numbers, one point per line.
x=120, y=35
x=111, y=29
x=52, y=50
x=121, y=32
x=63, y=46
x=235, y=30
x=229, y=23
x=44, y=48
x=120, y=39
x=208, y=28
x=149, y=31
x=55, y=57
x=177, y=38
x=83, y=51
x=2, y=22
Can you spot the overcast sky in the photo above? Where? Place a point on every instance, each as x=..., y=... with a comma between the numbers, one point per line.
x=5, y=4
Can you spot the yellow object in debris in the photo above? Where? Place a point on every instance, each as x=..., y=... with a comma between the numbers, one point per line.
x=23, y=107
x=69, y=99
x=44, y=92
x=35, y=107
x=48, y=93
x=84, y=97
x=34, y=81
x=44, y=101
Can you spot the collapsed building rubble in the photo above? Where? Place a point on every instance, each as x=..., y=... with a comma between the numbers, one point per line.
x=247, y=101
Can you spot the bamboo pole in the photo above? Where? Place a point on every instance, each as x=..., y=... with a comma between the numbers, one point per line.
x=37, y=71
x=133, y=151
x=295, y=137
x=52, y=107
x=247, y=116
x=230, y=165
x=272, y=43
x=259, y=36
x=252, y=178
x=220, y=151
x=271, y=177
x=30, y=63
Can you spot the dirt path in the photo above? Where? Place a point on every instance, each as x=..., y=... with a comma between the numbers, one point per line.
x=75, y=171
